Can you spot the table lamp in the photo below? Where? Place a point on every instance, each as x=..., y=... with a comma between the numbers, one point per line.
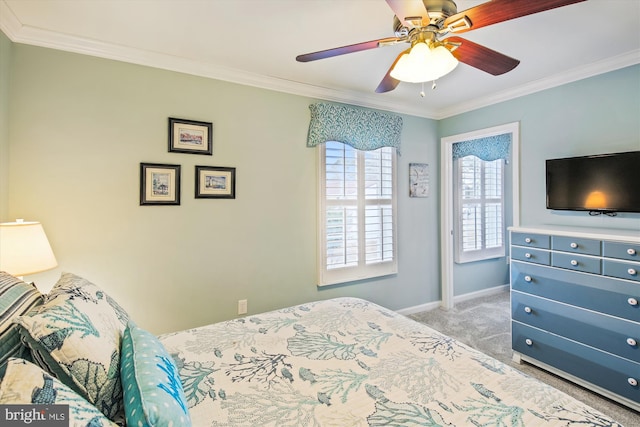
x=24, y=248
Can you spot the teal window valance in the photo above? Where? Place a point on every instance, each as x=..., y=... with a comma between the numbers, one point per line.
x=488, y=148
x=359, y=128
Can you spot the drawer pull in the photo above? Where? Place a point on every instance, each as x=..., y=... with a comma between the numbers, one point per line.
x=528, y=342
x=528, y=279
x=632, y=272
x=574, y=262
x=631, y=251
x=573, y=245
x=632, y=301
x=632, y=342
x=527, y=255
x=527, y=310
x=632, y=381
x=527, y=240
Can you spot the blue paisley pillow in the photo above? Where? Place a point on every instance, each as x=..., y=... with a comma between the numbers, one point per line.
x=153, y=394
x=26, y=383
x=76, y=334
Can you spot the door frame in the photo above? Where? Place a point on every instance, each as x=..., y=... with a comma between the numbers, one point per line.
x=446, y=196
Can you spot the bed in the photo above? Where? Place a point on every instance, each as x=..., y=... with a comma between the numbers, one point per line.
x=349, y=362
x=339, y=362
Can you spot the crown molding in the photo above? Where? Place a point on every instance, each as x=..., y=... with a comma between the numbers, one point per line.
x=19, y=33
x=9, y=23
x=610, y=64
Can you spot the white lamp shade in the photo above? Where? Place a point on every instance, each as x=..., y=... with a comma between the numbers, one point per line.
x=423, y=64
x=24, y=248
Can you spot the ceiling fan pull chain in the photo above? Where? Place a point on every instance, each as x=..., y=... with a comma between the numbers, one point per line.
x=433, y=85
x=422, y=94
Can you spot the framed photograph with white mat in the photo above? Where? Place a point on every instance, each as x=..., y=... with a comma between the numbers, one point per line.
x=214, y=182
x=190, y=136
x=159, y=184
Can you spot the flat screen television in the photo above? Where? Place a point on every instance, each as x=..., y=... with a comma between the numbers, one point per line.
x=605, y=183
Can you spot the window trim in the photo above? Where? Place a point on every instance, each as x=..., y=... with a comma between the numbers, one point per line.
x=327, y=277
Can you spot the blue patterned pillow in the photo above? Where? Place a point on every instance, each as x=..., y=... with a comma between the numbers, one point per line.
x=76, y=335
x=26, y=383
x=16, y=299
x=153, y=394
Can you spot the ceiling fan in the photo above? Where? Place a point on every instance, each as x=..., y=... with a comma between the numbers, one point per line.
x=429, y=23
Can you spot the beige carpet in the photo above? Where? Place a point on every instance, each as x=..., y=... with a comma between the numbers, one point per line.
x=484, y=324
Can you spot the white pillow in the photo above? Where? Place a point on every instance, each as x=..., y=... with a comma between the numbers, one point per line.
x=25, y=383
x=76, y=335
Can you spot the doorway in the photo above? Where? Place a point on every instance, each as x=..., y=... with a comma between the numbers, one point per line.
x=447, y=199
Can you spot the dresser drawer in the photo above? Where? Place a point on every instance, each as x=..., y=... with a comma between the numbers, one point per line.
x=607, y=333
x=623, y=270
x=597, y=367
x=599, y=293
x=576, y=262
x=538, y=256
x=529, y=239
x=629, y=251
x=576, y=245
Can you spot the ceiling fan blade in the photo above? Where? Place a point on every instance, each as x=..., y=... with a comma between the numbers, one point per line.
x=481, y=57
x=314, y=56
x=388, y=83
x=496, y=11
x=409, y=11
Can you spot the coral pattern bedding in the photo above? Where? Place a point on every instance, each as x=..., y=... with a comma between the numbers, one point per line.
x=349, y=362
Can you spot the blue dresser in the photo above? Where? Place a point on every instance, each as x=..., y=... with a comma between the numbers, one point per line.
x=575, y=306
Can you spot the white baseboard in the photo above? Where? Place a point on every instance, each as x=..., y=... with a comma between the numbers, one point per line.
x=481, y=293
x=419, y=308
x=456, y=299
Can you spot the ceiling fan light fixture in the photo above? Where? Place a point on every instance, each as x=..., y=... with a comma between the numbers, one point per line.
x=423, y=63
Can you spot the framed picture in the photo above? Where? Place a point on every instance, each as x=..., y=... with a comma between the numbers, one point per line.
x=190, y=136
x=418, y=180
x=215, y=182
x=159, y=184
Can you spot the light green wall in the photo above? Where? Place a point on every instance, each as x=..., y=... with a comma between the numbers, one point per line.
x=80, y=126
x=5, y=61
x=77, y=128
x=591, y=116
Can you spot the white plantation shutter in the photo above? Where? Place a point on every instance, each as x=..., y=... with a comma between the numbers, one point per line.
x=378, y=188
x=341, y=198
x=479, y=209
x=357, y=210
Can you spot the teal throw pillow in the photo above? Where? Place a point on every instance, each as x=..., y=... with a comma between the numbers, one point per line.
x=153, y=394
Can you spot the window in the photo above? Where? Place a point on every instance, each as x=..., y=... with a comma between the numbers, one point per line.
x=357, y=226
x=479, y=205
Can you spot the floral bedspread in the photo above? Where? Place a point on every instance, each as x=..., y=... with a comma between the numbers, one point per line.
x=349, y=362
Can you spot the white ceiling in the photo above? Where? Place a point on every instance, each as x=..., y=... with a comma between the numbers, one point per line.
x=255, y=42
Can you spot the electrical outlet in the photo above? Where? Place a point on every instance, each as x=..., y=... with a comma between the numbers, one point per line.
x=242, y=306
